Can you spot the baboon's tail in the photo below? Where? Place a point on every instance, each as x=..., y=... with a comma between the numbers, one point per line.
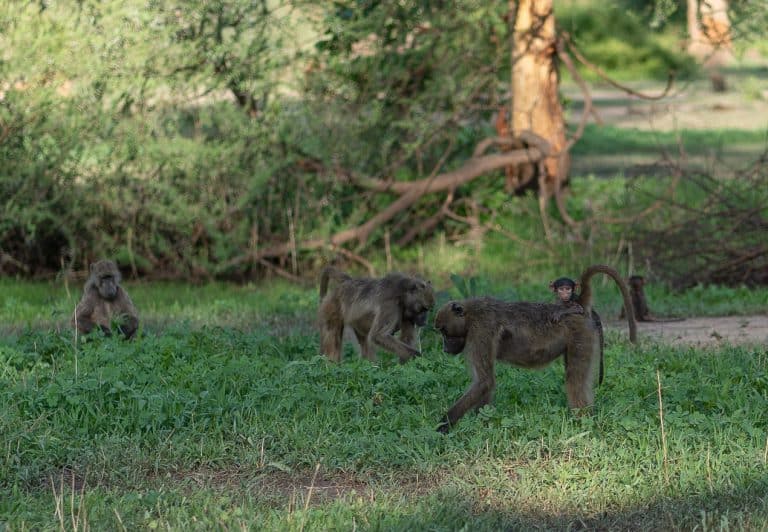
x=585, y=298
x=328, y=273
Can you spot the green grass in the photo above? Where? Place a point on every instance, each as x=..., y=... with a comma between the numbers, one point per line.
x=284, y=307
x=637, y=141
x=33, y=304
x=197, y=426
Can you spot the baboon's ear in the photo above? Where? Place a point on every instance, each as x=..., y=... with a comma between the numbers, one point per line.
x=415, y=286
x=457, y=309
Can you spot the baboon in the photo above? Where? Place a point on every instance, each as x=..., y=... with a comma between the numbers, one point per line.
x=568, y=300
x=375, y=309
x=103, y=301
x=524, y=334
x=640, y=303
x=566, y=296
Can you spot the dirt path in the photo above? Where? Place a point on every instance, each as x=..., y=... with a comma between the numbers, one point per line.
x=705, y=331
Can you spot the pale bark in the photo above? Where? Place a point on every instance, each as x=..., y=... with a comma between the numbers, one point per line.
x=709, y=32
x=535, y=99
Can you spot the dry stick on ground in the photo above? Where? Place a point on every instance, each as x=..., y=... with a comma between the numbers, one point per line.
x=278, y=270
x=475, y=227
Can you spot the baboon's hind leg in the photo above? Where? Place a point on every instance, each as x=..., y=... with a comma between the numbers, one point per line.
x=368, y=351
x=579, y=373
x=331, y=330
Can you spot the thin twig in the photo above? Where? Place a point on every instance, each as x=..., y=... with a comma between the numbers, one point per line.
x=279, y=271
x=309, y=497
x=600, y=72
x=663, y=433
x=355, y=257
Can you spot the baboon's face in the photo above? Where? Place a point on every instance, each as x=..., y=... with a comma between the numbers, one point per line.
x=418, y=300
x=107, y=287
x=565, y=293
x=106, y=278
x=452, y=324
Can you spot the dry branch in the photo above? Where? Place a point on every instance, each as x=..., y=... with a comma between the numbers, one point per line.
x=605, y=77
x=473, y=168
x=410, y=192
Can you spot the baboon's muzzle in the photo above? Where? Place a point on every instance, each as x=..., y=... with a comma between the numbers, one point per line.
x=453, y=344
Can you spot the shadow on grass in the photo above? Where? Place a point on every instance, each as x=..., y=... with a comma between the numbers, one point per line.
x=743, y=507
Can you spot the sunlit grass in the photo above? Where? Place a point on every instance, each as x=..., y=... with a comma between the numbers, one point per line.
x=226, y=429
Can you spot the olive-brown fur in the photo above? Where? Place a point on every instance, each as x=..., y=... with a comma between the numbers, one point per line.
x=524, y=334
x=374, y=309
x=640, y=302
x=104, y=301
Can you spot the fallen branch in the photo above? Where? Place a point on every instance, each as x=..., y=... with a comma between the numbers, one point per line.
x=427, y=224
x=472, y=169
x=410, y=192
x=279, y=271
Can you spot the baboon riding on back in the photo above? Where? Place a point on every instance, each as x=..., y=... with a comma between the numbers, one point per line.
x=529, y=335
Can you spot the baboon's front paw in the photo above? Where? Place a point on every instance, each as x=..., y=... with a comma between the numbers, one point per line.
x=444, y=426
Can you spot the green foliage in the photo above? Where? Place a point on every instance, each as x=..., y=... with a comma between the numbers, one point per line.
x=472, y=287
x=182, y=140
x=624, y=41
x=163, y=174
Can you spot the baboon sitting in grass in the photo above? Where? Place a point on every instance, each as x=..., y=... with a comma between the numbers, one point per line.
x=105, y=302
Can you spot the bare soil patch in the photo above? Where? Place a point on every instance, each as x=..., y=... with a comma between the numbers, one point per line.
x=705, y=331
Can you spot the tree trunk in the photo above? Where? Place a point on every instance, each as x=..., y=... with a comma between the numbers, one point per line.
x=535, y=99
x=709, y=30
x=709, y=34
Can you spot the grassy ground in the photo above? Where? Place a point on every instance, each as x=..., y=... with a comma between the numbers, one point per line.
x=240, y=424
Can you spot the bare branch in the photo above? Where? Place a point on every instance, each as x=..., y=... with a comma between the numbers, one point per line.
x=472, y=169
x=600, y=72
x=355, y=257
x=588, y=107
x=429, y=223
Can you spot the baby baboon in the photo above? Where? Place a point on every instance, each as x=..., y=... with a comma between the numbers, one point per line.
x=565, y=295
x=524, y=334
x=568, y=300
x=103, y=301
x=375, y=309
x=640, y=303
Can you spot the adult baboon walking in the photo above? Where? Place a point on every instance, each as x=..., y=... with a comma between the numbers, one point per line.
x=105, y=301
x=375, y=309
x=526, y=335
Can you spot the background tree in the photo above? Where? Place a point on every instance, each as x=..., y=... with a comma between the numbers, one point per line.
x=200, y=141
x=535, y=93
x=709, y=37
